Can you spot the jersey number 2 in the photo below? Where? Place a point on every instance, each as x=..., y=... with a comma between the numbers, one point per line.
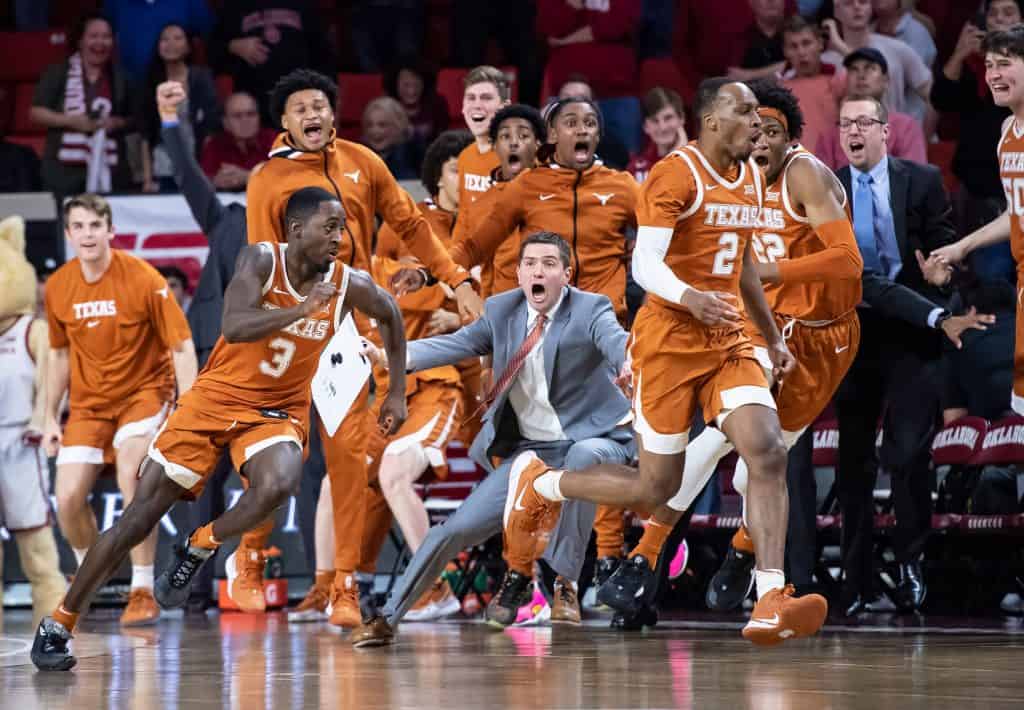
x=283, y=350
x=725, y=259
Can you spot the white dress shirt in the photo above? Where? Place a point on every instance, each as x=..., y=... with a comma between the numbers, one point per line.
x=528, y=392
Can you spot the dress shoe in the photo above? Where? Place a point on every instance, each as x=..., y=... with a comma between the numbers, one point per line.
x=375, y=632
x=911, y=590
x=565, y=609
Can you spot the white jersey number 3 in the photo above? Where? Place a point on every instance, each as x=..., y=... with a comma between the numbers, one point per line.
x=283, y=350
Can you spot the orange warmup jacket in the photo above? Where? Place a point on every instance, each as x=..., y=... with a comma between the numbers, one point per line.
x=497, y=274
x=591, y=209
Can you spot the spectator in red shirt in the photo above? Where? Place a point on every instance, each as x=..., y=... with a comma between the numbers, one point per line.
x=868, y=75
x=595, y=35
x=664, y=119
x=228, y=157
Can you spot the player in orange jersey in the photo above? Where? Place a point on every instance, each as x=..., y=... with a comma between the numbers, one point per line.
x=808, y=260
x=487, y=90
x=1004, y=74
x=118, y=341
x=309, y=153
x=697, y=214
x=252, y=399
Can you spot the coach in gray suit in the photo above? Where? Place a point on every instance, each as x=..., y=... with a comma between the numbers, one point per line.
x=560, y=400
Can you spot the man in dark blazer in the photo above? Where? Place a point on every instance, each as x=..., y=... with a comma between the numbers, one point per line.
x=900, y=213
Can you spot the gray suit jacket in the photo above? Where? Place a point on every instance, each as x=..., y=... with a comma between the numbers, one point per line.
x=584, y=349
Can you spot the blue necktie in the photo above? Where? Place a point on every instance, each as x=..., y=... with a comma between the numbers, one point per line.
x=864, y=222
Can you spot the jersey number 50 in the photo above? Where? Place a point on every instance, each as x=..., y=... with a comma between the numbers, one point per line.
x=283, y=350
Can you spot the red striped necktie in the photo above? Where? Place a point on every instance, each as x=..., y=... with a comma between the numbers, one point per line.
x=516, y=363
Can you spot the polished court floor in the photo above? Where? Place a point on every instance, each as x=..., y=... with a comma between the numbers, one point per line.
x=247, y=662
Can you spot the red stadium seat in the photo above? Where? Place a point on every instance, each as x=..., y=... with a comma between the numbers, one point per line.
x=664, y=73
x=941, y=156
x=24, y=55
x=959, y=441
x=20, y=122
x=1002, y=444
x=354, y=92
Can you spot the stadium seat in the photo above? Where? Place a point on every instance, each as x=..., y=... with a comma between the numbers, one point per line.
x=34, y=141
x=1002, y=444
x=662, y=72
x=20, y=122
x=941, y=156
x=24, y=55
x=354, y=92
x=959, y=441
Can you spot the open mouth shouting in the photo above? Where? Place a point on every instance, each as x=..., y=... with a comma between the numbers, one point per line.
x=314, y=133
x=538, y=293
x=856, y=146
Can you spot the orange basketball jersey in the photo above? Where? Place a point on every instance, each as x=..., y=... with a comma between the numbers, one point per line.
x=119, y=330
x=786, y=233
x=275, y=372
x=1011, y=171
x=475, y=170
x=712, y=218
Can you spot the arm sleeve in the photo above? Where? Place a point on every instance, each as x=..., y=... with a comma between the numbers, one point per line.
x=840, y=259
x=502, y=205
x=475, y=339
x=398, y=210
x=58, y=334
x=662, y=200
x=194, y=185
x=167, y=317
x=388, y=243
x=896, y=301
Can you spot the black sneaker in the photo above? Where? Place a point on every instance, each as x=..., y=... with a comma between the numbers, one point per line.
x=50, y=647
x=514, y=593
x=604, y=568
x=631, y=586
x=732, y=582
x=172, y=586
x=645, y=618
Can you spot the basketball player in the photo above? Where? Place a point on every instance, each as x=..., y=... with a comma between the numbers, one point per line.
x=808, y=259
x=1004, y=74
x=486, y=91
x=280, y=310
x=309, y=153
x=697, y=212
x=118, y=341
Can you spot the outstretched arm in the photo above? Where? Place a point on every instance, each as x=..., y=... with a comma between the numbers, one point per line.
x=367, y=297
x=814, y=187
x=245, y=320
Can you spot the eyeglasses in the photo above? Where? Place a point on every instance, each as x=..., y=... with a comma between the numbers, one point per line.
x=863, y=123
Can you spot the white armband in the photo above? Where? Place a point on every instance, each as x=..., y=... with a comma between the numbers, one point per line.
x=649, y=267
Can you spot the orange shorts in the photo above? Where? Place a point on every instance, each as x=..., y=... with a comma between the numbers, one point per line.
x=679, y=364
x=823, y=356
x=435, y=410
x=191, y=441
x=92, y=436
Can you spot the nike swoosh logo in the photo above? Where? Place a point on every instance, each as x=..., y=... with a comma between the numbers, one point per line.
x=92, y=324
x=277, y=290
x=519, y=501
x=766, y=623
x=709, y=188
x=839, y=350
x=639, y=592
x=545, y=198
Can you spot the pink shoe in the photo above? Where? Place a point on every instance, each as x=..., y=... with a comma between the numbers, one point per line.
x=537, y=611
x=678, y=564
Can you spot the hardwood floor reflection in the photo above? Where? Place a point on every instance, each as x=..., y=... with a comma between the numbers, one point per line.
x=253, y=662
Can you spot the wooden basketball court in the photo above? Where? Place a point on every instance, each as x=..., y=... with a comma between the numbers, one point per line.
x=256, y=662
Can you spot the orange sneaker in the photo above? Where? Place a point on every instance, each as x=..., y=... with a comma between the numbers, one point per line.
x=525, y=510
x=779, y=616
x=314, y=606
x=142, y=609
x=244, y=570
x=344, y=606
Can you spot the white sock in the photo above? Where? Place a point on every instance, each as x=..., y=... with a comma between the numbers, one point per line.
x=142, y=576
x=549, y=486
x=79, y=554
x=702, y=456
x=768, y=579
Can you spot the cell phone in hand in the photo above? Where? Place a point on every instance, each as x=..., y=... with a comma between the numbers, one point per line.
x=980, y=20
